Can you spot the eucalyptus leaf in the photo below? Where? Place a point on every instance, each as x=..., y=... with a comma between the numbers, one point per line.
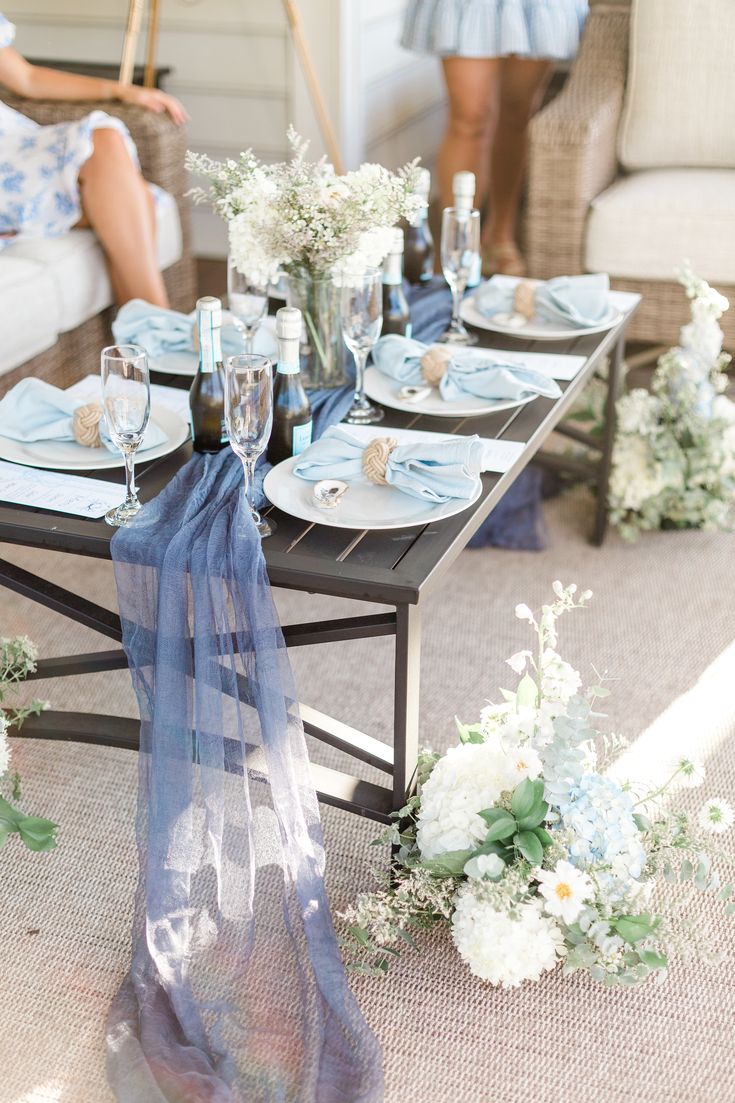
x=529, y=846
x=635, y=927
x=543, y=836
x=535, y=817
x=653, y=960
x=450, y=864
x=525, y=797
x=642, y=822
x=686, y=869
x=527, y=695
x=501, y=825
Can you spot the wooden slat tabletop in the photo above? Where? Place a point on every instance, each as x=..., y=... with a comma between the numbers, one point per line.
x=394, y=566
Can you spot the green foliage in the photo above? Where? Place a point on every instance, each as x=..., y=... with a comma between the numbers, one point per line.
x=36, y=833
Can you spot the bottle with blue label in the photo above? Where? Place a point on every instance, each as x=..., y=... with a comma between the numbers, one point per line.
x=396, y=315
x=463, y=190
x=292, y=424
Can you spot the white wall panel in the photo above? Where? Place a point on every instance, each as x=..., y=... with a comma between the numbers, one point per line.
x=235, y=68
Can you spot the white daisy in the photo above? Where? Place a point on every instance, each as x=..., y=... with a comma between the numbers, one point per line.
x=690, y=772
x=716, y=816
x=565, y=890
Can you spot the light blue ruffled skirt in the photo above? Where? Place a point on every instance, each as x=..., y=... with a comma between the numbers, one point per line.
x=494, y=28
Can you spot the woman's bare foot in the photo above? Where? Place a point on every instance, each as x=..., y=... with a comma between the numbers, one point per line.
x=503, y=259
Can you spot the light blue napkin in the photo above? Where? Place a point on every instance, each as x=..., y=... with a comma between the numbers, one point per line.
x=159, y=331
x=434, y=471
x=472, y=371
x=34, y=410
x=573, y=300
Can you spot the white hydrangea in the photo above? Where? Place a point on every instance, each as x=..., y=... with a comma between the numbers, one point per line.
x=559, y=680
x=638, y=412
x=468, y=779
x=636, y=476
x=499, y=947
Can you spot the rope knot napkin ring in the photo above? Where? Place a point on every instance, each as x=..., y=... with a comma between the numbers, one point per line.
x=375, y=459
x=524, y=298
x=86, y=424
x=434, y=364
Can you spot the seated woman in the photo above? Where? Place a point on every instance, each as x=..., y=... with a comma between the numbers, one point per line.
x=83, y=173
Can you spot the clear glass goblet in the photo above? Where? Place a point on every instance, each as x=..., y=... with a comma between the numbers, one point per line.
x=362, y=321
x=249, y=418
x=126, y=402
x=460, y=250
x=247, y=297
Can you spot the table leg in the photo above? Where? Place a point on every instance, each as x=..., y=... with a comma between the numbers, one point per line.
x=406, y=705
x=614, y=389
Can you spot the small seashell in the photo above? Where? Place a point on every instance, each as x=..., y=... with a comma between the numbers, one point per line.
x=328, y=493
x=514, y=321
x=414, y=394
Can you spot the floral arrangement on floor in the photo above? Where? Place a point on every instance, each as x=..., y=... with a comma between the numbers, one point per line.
x=532, y=856
x=299, y=216
x=17, y=660
x=673, y=463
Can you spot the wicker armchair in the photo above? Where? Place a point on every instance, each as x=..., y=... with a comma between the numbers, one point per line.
x=573, y=158
x=161, y=147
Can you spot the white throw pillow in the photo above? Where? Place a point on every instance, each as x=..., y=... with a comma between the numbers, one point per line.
x=680, y=99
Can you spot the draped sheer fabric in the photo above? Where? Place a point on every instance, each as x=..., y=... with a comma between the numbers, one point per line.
x=236, y=992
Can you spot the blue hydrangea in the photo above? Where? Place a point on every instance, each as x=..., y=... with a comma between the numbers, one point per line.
x=599, y=814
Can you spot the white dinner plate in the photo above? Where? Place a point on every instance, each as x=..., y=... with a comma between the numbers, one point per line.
x=67, y=455
x=381, y=388
x=364, y=506
x=187, y=363
x=536, y=329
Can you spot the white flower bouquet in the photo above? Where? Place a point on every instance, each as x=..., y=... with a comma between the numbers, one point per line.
x=532, y=856
x=298, y=216
x=674, y=454
x=17, y=660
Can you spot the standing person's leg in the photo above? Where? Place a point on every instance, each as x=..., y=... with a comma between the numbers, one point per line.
x=119, y=207
x=523, y=83
x=473, y=87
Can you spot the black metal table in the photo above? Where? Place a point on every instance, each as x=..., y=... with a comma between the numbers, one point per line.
x=396, y=568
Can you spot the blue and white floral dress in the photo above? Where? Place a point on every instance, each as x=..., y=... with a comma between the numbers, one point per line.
x=495, y=28
x=39, y=167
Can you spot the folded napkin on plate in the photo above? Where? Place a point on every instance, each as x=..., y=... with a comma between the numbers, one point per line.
x=159, y=331
x=459, y=372
x=434, y=471
x=35, y=411
x=573, y=300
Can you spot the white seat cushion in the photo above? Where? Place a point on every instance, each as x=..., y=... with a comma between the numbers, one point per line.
x=29, y=311
x=77, y=264
x=648, y=223
x=679, y=98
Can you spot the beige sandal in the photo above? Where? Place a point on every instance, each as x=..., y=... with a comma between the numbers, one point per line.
x=503, y=259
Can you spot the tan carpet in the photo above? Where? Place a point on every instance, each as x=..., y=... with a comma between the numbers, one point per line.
x=661, y=622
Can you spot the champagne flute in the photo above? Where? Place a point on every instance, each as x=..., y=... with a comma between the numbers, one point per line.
x=362, y=320
x=126, y=402
x=249, y=418
x=247, y=297
x=460, y=250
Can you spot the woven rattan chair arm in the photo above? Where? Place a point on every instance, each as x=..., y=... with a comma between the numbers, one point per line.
x=573, y=146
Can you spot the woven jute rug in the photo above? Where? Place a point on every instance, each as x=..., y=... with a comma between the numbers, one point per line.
x=661, y=623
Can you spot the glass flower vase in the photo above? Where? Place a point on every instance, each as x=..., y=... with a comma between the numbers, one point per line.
x=322, y=346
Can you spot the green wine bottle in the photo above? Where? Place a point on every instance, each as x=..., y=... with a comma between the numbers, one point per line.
x=292, y=425
x=207, y=393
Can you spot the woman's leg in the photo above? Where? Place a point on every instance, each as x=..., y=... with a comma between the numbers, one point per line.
x=523, y=83
x=473, y=86
x=119, y=207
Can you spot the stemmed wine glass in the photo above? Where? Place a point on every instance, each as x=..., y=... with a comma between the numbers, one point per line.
x=126, y=402
x=362, y=320
x=460, y=249
x=247, y=297
x=249, y=418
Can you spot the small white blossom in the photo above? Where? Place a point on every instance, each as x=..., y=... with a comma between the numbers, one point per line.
x=524, y=613
x=689, y=773
x=484, y=865
x=716, y=816
x=565, y=890
x=519, y=661
x=4, y=747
